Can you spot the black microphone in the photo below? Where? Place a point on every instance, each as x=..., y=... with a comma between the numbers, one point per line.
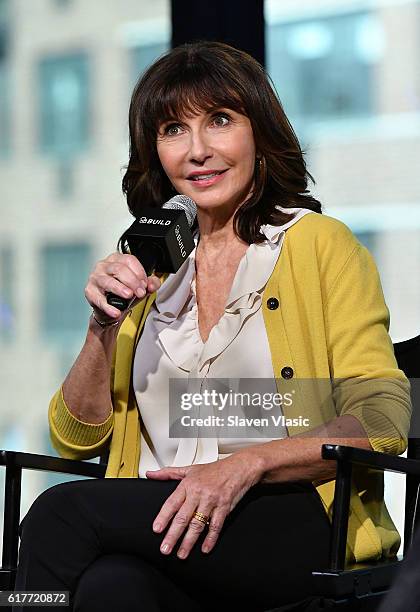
x=161, y=239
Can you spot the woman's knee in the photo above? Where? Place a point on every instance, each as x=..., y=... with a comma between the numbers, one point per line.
x=48, y=510
x=59, y=539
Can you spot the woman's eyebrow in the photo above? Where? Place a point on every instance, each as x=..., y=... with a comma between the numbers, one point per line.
x=167, y=120
x=218, y=107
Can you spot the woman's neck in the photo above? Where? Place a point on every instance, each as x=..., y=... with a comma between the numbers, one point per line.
x=217, y=249
x=217, y=238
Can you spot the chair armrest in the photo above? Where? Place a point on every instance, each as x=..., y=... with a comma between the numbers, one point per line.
x=15, y=462
x=370, y=458
x=45, y=463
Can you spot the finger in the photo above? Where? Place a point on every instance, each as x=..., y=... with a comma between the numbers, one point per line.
x=111, y=284
x=114, y=286
x=217, y=519
x=169, y=509
x=168, y=473
x=118, y=270
x=126, y=276
x=128, y=260
x=180, y=522
x=153, y=284
x=99, y=304
x=97, y=290
x=195, y=528
x=135, y=265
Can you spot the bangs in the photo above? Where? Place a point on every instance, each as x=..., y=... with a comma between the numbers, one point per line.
x=195, y=90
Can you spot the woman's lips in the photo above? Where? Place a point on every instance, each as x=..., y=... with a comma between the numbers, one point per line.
x=206, y=182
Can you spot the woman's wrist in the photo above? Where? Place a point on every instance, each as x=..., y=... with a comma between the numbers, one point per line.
x=108, y=326
x=104, y=322
x=104, y=334
x=255, y=462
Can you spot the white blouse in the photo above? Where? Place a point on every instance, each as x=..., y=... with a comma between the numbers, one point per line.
x=237, y=348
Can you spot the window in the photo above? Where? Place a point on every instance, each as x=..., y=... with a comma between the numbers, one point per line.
x=4, y=25
x=6, y=293
x=323, y=68
x=62, y=3
x=144, y=55
x=368, y=239
x=5, y=135
x=64, y=273
x=64, y=104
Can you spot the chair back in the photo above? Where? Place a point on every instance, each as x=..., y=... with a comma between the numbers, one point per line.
x=407, y=354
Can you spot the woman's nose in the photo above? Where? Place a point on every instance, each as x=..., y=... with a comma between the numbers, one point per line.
x=200, y=149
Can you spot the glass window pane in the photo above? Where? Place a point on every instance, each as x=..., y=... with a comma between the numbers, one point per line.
x=64, y=104
x=144, y=55
x=4, y=111
x=62, y=3
x=64, y=273
x=368, y=239
x=323, y=67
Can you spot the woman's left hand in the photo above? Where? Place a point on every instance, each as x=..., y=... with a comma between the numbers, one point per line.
x=213, y=489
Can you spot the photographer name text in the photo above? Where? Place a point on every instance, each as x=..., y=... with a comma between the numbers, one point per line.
x=237, y=421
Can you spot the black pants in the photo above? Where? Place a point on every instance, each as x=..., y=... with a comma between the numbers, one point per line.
x=95, y=539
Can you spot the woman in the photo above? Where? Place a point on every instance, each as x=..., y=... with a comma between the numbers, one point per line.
x=274, y=290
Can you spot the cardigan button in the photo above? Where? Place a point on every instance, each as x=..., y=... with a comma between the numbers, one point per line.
x=272, y=303
x=287, y=372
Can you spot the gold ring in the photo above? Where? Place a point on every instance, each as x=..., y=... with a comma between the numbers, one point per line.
x=203, y=518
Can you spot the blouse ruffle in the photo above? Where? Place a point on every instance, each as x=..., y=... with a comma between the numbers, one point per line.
x=176, y=305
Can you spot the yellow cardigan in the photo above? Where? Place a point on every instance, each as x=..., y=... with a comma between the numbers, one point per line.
x=332, y=323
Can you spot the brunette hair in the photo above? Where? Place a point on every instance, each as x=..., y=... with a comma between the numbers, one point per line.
x=197, y=77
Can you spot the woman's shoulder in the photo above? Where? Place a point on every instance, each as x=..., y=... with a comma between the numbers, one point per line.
x=322, y=230
x=322, y=246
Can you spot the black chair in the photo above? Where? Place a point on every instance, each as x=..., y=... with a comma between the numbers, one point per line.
x=341, y=585
x=349, y=586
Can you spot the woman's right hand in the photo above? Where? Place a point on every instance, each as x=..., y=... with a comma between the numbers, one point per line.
x=123, y=275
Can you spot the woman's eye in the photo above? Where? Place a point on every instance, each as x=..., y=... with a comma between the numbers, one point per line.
x=172, y=130
x=221, y=120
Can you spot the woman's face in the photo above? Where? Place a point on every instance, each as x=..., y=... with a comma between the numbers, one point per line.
x=209, y=157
